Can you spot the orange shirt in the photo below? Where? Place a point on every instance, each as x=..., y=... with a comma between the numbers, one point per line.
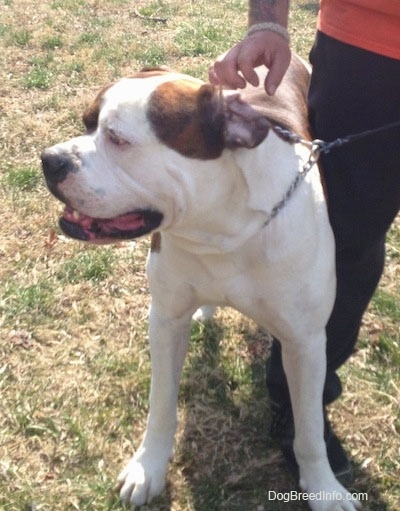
x=372, y=25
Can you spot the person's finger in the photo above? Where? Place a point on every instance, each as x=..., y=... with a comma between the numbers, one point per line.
x=277, y=71
x=264, y=48
x=212, y=76
x=225, y=70
x=246, y=66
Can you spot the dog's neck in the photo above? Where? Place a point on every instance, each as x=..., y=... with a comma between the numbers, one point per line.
x=251, y=185
x=268, y=180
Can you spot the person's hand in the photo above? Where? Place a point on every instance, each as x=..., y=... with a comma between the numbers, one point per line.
x=236, y=67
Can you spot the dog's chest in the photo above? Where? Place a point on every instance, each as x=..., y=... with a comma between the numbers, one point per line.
x=239, y=279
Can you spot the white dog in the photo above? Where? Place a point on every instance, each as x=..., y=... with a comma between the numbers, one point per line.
x=203, y=170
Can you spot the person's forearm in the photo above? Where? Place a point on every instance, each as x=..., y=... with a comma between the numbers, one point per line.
x=274, y=11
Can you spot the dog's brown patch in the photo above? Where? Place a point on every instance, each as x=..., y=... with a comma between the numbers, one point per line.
x=189, y=118
x=155, y=245
x=288, y=107
x=91, y=114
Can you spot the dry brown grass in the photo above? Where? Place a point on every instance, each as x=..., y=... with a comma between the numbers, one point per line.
x=74, y=364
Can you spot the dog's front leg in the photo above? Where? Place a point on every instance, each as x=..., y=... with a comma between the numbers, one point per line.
x=305, y=368
x=144, y=476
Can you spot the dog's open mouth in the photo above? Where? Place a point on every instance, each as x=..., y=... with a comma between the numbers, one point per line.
x=109, y=230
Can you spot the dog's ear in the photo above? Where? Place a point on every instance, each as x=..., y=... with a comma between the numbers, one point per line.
x=244, y=126
x=211, y=116
x=188, y=118
x=200, y=122
x=228, y=121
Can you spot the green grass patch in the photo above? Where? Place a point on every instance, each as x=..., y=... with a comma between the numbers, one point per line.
x=90, y=265
x=70, y=5
x=27, y=302
x=52, y=42
x=158, y=9
x=386, y=343
x=386, y=304
x=198, y=40
x=90, y=38
x=41, y=73
x=38, y=78
x=21, y=37
x=153, y=56
x=23, y=179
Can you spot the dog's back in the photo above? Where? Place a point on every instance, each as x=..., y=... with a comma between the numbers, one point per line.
x=288, y=107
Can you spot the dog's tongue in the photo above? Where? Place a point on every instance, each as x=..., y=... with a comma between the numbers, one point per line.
x=92, y=227
x=129, y=222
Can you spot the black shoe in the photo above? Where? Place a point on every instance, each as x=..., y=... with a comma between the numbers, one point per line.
x=282, y=430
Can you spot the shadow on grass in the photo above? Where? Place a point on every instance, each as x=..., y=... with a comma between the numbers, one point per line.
x=224, y=451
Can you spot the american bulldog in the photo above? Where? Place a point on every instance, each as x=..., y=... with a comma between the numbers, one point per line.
x=203, y=170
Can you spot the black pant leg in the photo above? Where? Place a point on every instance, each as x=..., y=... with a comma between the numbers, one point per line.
x=351, y=91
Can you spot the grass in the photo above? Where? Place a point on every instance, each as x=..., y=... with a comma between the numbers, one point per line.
x=74, y=361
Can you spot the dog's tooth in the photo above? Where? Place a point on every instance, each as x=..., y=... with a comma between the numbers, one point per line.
x=76, y=215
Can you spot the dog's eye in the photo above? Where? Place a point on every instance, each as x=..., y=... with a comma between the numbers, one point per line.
x=115, y=138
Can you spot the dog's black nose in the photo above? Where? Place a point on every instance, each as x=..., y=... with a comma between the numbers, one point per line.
x=56, y=165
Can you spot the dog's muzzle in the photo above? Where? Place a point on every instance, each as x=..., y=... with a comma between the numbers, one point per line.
x=57, y=164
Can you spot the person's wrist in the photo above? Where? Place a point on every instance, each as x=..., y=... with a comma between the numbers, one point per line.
x=272, y=27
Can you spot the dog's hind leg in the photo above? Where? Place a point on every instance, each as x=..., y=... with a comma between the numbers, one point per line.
x=305, y=368
x=144, y=476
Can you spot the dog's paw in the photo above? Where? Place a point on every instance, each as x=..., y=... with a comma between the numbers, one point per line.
x=141, y=480
x=344, y=502
x=330, y=497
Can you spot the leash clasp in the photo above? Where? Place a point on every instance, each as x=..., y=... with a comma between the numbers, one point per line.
x=316, y=149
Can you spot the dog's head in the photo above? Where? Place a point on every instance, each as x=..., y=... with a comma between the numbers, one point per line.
x=144, y=136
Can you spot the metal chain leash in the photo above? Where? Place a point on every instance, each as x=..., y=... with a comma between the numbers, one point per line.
x=315, y=151
x=317, y=147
